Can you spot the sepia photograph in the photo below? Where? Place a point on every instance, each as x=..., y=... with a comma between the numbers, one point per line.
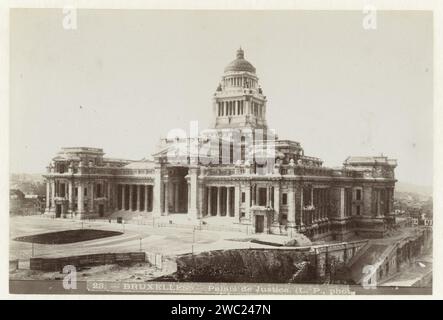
x=221, y=152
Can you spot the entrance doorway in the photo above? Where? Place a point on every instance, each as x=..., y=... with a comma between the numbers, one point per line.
x=58, y=210
x=178, y=190
x=101, y=210
x=259, y=224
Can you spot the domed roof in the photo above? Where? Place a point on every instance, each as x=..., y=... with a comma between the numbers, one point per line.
x=240, y=64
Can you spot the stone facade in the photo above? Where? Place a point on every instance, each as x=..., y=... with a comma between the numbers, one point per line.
x=248, y=179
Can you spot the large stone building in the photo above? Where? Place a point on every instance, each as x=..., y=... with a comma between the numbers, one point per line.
x=237, y=174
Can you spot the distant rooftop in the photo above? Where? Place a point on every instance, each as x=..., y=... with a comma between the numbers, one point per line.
x=353, y=161
x=82, y=150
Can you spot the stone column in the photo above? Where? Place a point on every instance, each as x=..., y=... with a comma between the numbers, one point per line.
x=276, y=203
x=80, y=200
x=218, y=201
x=342, y=202
x=53, y=195
x=228, y=201
x=378, y=202
x=130, y=197
x=188, y=195
x=151, y=198
x=166, y=197
x=275, y=226
x=201, y=199
x=257, y=195
x=301, y=205
x=391, y=200
x=291, y=206
x=91, y=198
x=48, y=196
x=248, y=201
x=70, y=198
x=176, y=197
x=237, y=200
x=193, y=181
x=209, y=207
x=157, y=192
x=312, y=195
x=314, y=214
x=146, y=208
x=138, y=195
x=109, y=194
x=123, y=197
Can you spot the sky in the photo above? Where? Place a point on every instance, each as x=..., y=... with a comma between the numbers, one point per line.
x=123, y=79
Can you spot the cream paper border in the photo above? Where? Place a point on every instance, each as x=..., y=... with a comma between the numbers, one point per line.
x=430, y=5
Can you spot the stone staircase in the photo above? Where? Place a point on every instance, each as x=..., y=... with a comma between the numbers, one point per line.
x=131, y=216
x=370, y=254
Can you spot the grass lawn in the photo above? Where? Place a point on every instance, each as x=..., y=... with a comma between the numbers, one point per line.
x=68, y=236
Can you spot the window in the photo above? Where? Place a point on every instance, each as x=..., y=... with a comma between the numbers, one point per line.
x=243, y=214
x=243, y=197
x=284, y=199
x=62, y=189
x=357, y=210
x=358, y=194
x=99, y=192
x=76, y=191
x=85, y=193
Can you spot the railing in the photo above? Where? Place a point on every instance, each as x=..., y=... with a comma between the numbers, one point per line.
x=220, y=171
x=305, y=171
x=103, y=171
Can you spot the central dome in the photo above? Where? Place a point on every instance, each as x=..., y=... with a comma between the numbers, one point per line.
x=240, y=64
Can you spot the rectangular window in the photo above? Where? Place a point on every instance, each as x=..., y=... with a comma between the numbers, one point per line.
x=76, y=191
x=358, y=194
x=262, y=197
x=357, y=209
x=99, y=190
x=85, y=193
x=243, y=197
x=284, y=199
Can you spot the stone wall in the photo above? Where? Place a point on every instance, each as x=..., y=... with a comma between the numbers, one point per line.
x=273, y=265
x=390, y=259
x=403, y=254
x=57, y=264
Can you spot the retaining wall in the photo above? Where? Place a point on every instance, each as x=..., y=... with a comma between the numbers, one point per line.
x=273, y=265
x=88, y=260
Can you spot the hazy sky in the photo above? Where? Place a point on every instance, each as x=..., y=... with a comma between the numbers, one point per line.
x=123, y=79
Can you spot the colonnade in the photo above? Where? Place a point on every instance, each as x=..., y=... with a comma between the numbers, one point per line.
x=221, y=201
x=135, y=197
